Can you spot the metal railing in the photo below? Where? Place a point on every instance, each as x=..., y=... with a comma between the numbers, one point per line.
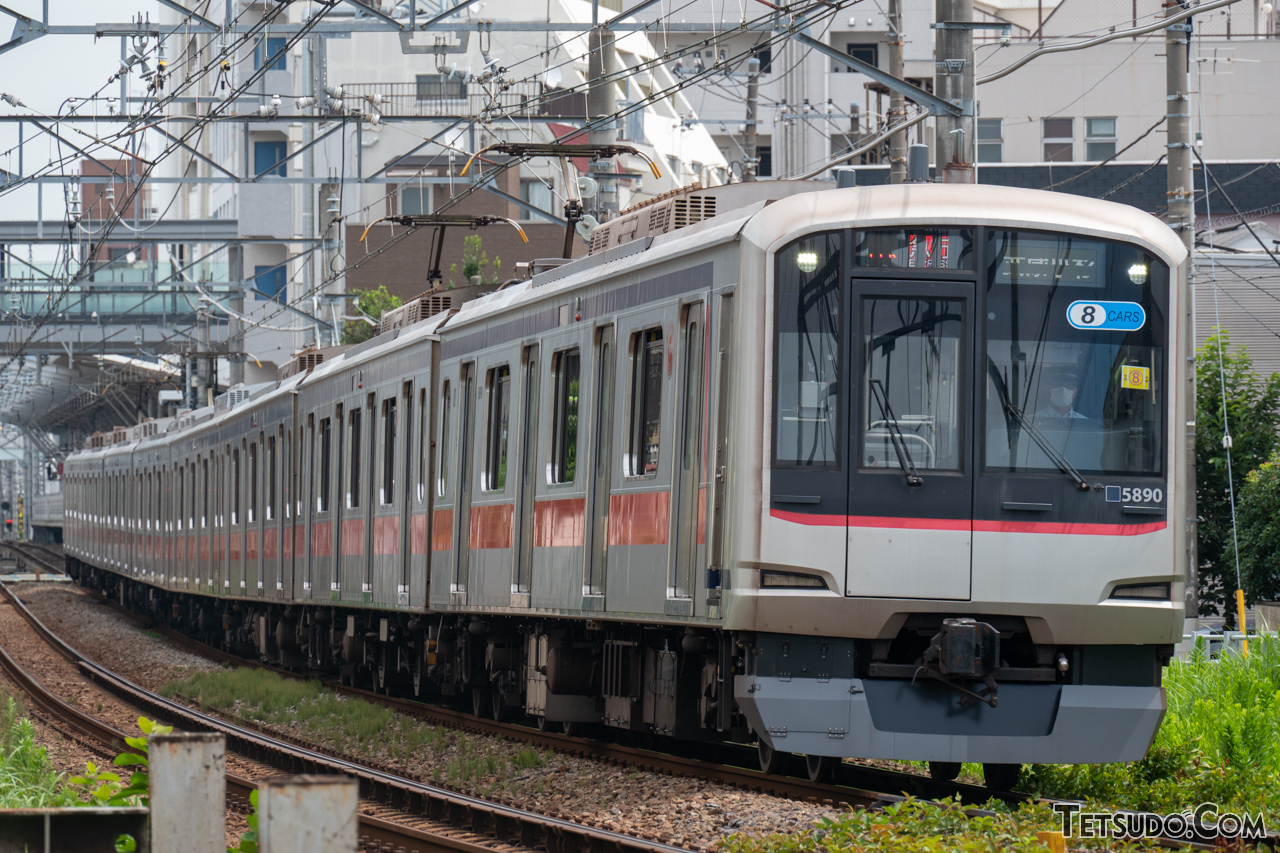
x=439, y=97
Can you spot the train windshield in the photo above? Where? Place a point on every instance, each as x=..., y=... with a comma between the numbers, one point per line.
x=1075, y=355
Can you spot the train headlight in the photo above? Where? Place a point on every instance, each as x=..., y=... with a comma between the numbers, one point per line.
x=807, y=260
x=1138, y=273
x=1142, y=591
x=790, y=580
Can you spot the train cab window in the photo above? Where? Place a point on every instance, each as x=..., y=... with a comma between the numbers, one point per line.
x=644, y=437
x=270, y=503
x=442, y=467
x=1075, y=355
x=495, y=469
x=911, y=383
x=567, y=367
x=253, y=482
x=326, y=462
x=807, y=396
x=354, y=422
x=387, y=491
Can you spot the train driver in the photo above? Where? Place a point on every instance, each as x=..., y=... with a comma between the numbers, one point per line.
x=1062, y=397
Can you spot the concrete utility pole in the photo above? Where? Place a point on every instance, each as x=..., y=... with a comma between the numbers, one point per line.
x=751, y=136
x=601, y=103
x=897, y=103
x=1180, y=190
x=953, y=81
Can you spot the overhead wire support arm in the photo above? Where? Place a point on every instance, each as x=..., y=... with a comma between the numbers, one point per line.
x=543, y=149
x=441, y=222
x=935, y=105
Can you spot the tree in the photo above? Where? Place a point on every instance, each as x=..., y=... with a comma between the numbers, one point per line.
x=1251, y=409
x=1258, y=522
x=372, y=304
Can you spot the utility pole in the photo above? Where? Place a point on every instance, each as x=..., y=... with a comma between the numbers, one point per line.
x=1180, y=189
x=601, y=103
x=751, y=136
x=235, y=326
x=897, y=103
x=953, y=81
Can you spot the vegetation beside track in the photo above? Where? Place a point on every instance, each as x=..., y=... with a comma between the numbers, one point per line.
x=353, y=726
x=1219, y=742
x=27, y=778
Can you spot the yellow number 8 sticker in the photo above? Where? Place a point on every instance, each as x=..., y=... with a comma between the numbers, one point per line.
x=1137, y=378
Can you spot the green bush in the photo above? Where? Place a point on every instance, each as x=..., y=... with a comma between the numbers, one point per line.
x=1258, y=520
x=1219, y=742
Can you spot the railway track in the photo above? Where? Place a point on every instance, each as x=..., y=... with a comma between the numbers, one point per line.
x=47, y=559
x=473, y=825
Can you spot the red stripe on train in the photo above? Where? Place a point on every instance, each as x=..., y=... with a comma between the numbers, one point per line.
x=890, y=522
x=558, y=523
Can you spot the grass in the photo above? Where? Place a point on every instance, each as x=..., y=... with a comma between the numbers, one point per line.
x=354, y=726
x=27, y=779
x=1219, y=742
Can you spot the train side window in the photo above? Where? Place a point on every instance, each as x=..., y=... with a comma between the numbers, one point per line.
x=442, y=478
x=253, y=482
x=646, y=403
x=422, y=444
x=495, y=469
x=387, y=492
x=204, y=512
x=326, y=461
x=567, y=367
x=191, y=517
x=182, y=495
x=270, y=502
x=354, y=419
x=807, y=393
x=235, y=486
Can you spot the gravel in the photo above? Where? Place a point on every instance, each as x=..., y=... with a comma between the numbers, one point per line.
x=688, y=812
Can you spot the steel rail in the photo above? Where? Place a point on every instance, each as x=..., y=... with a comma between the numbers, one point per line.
x=505, y=824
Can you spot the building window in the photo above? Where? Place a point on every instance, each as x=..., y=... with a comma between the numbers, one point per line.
x=567, y=367
x=388, y=451
x=495, y=469
x=357, y=443
x=646, y=403
x=270, y=50
x=270, y=282
x=1100, y=138
x=435, y=87
x=1059, y=139
x=868, y=52
x=764, y=153
x=536, y=192
x=269, y=155
x=414, y=199
x=990, y=140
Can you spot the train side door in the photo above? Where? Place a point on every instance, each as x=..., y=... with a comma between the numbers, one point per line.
x=597, y=510
x=910, y=499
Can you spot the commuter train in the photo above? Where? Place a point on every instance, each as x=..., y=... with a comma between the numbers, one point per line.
x=889, y=472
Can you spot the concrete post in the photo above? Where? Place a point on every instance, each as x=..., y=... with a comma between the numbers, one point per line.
x=308, y=814
x=751, y=136
x=953, y=81
x=897, y=103
x=188, y=792
x=601, y=103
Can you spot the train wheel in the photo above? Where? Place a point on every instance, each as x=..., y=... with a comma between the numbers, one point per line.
x=1001, y=777
x=570, y=728
x=821, y=768
x=479, y=701
x=501, y=710
x=542, y=724
x=944, y=771
x=770, y=758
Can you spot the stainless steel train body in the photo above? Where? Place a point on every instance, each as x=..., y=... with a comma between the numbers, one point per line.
x=886, y=472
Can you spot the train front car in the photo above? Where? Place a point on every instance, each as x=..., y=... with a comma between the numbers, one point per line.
x=969, y=541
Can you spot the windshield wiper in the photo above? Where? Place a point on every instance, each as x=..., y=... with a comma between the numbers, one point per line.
x=905, y=462
x=1047, y=446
